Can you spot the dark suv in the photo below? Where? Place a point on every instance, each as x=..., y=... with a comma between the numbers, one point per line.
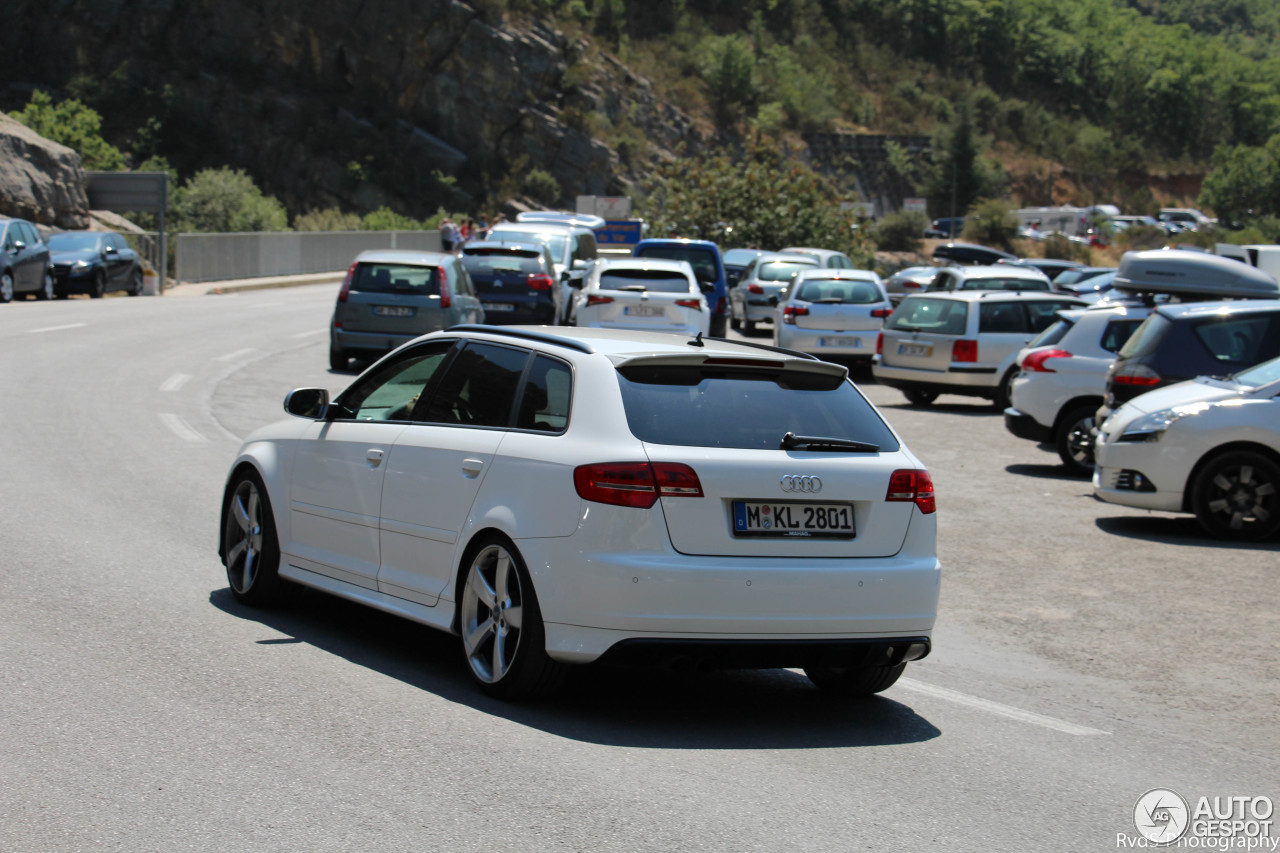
x=515, y=281
x=24, y=261
x=1179, y=342
x=708, y=266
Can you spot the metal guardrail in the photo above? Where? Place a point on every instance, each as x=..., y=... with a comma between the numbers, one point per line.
x=219, y=257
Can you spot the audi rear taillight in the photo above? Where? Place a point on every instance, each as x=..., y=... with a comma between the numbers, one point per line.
x=881, y=312
x=791, y=312
x=912, y=485
x=964, y=351
x=635, y=484
x=346, y=283
x=540, y=281
x=695, y=304
x=593, y=299
x=1035, y=362
x=1136, y=376
x=446, y=297
x=754, y=288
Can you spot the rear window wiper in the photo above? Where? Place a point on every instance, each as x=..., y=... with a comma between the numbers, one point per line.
x=791, y=441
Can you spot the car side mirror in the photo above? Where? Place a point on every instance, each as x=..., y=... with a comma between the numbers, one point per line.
x=18, y=246
x=707, y=286
x=109, y=250
x=311, y=403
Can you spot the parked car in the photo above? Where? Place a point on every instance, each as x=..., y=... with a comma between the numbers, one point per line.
x=595, y=494
x=829, y=258
x=1186, y=217
x=1063, y=377
x=573, y=248
x=562, y=217
x=1069, y=279
x=1208, y=446
x=1051, y=267
x=516, y=282
x=1095, y=289
x=969, y=253
x=391, y=296
x=753, y=299
x=708, y=265
x=644, y=293
x=833, y=314
x=948, y=227
x=94, y=262
x=736, y=260
x=962, y=342
x=908, y=281
x=24, y=261
x=992, y=277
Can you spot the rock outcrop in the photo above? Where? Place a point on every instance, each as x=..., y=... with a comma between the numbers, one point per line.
x=40, y=180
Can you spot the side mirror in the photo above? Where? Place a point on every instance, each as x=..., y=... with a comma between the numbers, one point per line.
x=18, y=246
x=109, y=250
x=707, y=286
x=310, y=403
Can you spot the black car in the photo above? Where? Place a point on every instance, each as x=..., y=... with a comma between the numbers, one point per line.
x=94, y=262
x=516, y=282
x=24, y=261
x=970, y=253
x=1051, y=267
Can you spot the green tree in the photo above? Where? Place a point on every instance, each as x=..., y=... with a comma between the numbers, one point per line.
x=962, y=173
x=900, y=232
x=728, y=72
x=223, y=200
x=1243, y=182
x=991, y=223
x=329, y=219
x=386, y=219
x=74, y=125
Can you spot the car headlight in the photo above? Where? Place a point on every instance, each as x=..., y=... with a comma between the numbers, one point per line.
x=80, y=266
x=1152, y=425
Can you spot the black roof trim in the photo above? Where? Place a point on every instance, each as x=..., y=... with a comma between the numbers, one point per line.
x=770, y=348
x=523, y=334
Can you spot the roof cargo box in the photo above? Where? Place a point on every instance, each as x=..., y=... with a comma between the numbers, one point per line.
x=1190, y=274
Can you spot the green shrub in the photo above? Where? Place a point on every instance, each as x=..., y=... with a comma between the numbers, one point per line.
x=329, y=219
x=226, y=199
x=386, y=219
x=991, y=223
x=900, y=232
x=74, y=125
x=541, y=186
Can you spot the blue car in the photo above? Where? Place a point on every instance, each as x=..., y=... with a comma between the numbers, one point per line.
x=708, y=266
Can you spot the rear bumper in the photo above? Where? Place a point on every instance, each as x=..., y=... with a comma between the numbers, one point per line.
x=698, y=654
x=973, y=381
x=860, y=344
x=1024, y=426
x=372, y=343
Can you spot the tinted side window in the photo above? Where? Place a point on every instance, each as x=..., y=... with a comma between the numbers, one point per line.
x=544, y=406
x=1041, y=314
x=393, y=392
x=1117, y=333
x=586, y=248
x=1001, y=318
x=28, y=234
x=1236, y=340
x=479, y=387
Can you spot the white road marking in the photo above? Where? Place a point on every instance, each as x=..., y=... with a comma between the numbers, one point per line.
x=181, y=428
x=997, y=708
x=232, y=356
x=309, y=334
x=57, y=328
x=175, y=382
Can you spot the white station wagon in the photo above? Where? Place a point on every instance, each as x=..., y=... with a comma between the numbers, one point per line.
x=561, y=498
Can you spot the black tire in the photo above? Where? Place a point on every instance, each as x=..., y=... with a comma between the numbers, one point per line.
x=718, y=325
x=6, y=287
x=135, y=283
x=1236, y=495
x=1074, y=441
x=99, y=286
x=919, y=398
x=338, y=360
x=748, y=326
x=734, y=322
x=1004, y=391
x=503, y=639
x=854, y=681
x=45, y=292
x=250, y=549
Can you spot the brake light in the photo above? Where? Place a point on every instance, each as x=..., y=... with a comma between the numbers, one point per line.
x=346, y=283
x=540, y=281
x=593, y=299
x=914, y=485
x=1137, y=376
x=754, y=288
x=790, y=312
x=695, y=304
x=880, y=344
x=881, y=312
x=635, y=484
x=446, y=297
x=720, y=305
x=964, y=351
x=1035, y=362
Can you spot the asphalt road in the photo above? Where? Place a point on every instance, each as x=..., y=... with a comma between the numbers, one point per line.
x=1084, y=653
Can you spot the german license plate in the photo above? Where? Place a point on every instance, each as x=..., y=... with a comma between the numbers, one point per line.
x=393, y=311
x=643, y=310
x=924, y=350
x=839, y=342
x=793, y=518
x=499, y=306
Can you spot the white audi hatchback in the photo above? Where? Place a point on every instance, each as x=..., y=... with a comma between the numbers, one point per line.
x=561, y=498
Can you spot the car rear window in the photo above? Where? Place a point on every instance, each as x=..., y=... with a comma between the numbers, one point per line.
x=373, y=277
x=836, y=291
x=659, y=281
x=707, y=406
x=1146, y=337
x=780, y=270
x=484, y=261
x=702, y=260
x=1238, y=340
x=555, y=241
x=943, y=316
x=1004, y=284
x=1117, y=334
x=1053, y=334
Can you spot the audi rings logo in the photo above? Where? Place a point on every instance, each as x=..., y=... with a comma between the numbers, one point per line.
x=799, y=483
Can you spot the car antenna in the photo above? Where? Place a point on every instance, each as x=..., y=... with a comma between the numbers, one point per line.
x=697, y=342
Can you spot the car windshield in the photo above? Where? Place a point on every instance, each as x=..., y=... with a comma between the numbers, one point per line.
x=74, y=242
x=749, y=409
x=558, y=243
x=396, y=278
x=781, y=270
x=1259, y=375
x=842, y=291
x=659, y=281
x=944, y=316
x=702, y=260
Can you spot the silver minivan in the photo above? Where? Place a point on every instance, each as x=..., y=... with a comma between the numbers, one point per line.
x=390, y=297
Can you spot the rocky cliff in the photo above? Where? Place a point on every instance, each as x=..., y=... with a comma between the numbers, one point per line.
x=40, y=180
x=409, y=103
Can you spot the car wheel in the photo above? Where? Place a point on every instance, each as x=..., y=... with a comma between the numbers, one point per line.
x=46, y=287
x=99, y=286
x=6, y=287
x=718, y=323
x=748, y=326
x=1235, y=496
x=734, y=322
x=920, y=398
x=854, y=681
x=135, y=284
x=338, y=360
x=1075, y=442
x=501, y=626
x=249, y=545
x=1004, y=391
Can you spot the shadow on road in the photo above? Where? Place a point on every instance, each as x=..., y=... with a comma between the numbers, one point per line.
x=730, y=709
x=1050, y=472
x=1174, y=530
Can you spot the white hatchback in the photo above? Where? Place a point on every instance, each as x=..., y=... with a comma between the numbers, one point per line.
x=558, y=499
x=832, y=313
x=649, y=294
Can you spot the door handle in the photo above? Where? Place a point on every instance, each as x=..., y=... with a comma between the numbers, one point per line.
x=472, y=467
x=374, y=455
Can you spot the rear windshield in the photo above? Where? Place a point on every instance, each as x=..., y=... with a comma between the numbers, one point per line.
x=1238, y=340
x=702, y=260
x=746, y=409
x=1004, y=284
x=658, y=281
x=1146, y=337
x=838, y=291
x=502, y=260
x=396, y=278
x=1052, y=335
x=780, y=270
x=943, y=316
